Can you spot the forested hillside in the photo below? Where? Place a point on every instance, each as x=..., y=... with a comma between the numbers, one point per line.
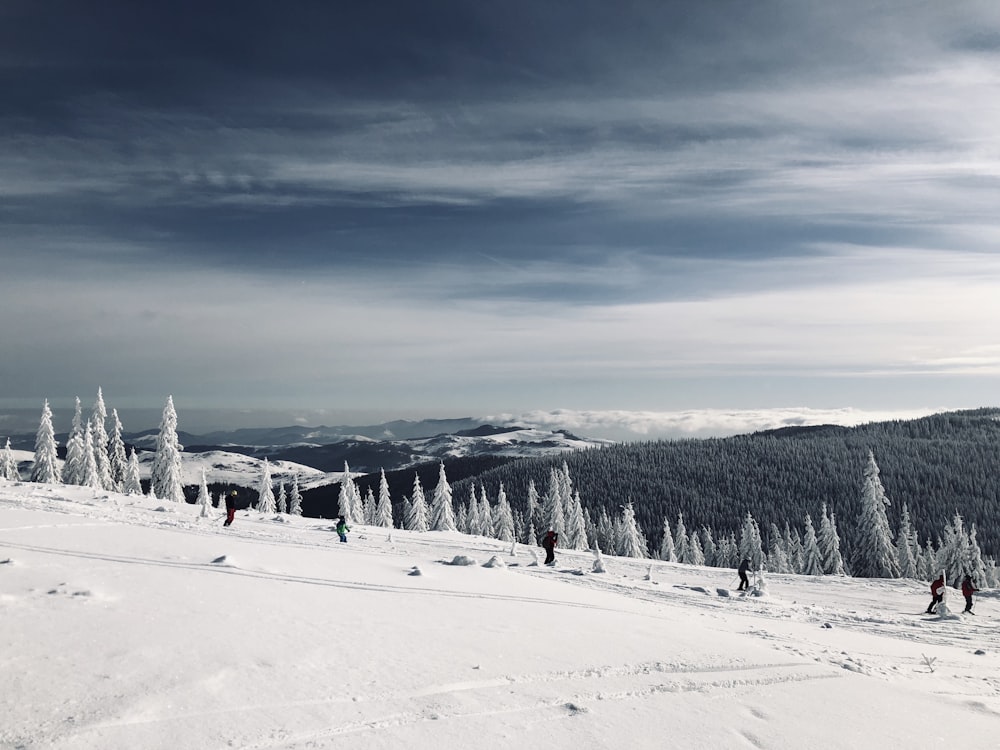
x=937, y=465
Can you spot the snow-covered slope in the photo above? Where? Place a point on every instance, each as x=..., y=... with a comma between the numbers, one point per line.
x=129, y=624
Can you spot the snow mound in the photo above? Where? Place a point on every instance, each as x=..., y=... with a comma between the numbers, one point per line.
x=224, y=560
x=494, y=562
x=415, y=571
x=462, y=560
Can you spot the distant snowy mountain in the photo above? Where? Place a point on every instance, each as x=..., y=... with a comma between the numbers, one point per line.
x=366, y=454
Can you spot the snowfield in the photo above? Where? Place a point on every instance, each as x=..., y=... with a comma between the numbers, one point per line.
x=134, y=624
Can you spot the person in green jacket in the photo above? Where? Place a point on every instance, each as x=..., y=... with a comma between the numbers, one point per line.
x=342, y=528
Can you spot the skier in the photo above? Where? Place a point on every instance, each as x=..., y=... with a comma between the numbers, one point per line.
x=742, y=570
x=549, y=543
x=342, y=528
x=968, y=589
x=230, y=507
x=937, y=596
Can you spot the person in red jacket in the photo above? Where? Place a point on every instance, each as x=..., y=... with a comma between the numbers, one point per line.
x=230, y=507
x=968, y=589
x=936, y=596
x=549, y=543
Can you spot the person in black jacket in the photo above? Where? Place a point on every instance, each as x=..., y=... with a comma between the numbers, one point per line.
x=742, y=570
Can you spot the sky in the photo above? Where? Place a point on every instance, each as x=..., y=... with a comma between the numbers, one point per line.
x=395, y=210
x=132, y=622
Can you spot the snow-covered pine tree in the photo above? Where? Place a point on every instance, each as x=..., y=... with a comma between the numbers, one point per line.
x=708, y=546
x=695, y=550
x=977, y=565
x=777, y=557
x=442, y=511
x=792, y=541
x=681, y=542
x=485, y=514
x=8, y=464
x=383, y=511
x=727, y=552
x=751, y=546
x=607, y=535
x=117, y=460
x=46, y=466
x=576, y=525
x=281, y=501
x=91, y=477
x=204, y=500
x=552, y=507
x=295, y=498
x=954, y=555
x=98, y=418
x=532, y=512
x=503, y=519
x=416, y=518
x=874, y=554
x=467, y=516
x=368, y=507
x=829, y=544
x=72, y=471
x=165, y=479
x=668, y=551
x=631, y=542
x=812, y=559
x=350, y=498
x=906, y=545
x=133, y=484
x=265, y=492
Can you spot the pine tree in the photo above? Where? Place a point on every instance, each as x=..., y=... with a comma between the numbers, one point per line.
x=46, y=466
x=668, y=551
x=383, y=512
x=165, y=479
x=133, y=484
x=751, y=546
x=504, y=520
x=416, y=518
x=203, y=497
x=777, y=556
x=368, y=507
x=91, y=478
x=442, y=511
x=72, y=471
x=906, y=545
x=681, y=541
x=977, y=565
x=576, y=525
x=350, y=498
x=117, y=460
x=954, y=557
x=606, y=534
x=485, y=515
x=98, y=417
x=812, y=559
x=874, y=554
x=282, y=499
x=295, y=498
x=695, y=550
x=552, y=507
x=265, y=492
x=708, y=546
x=533, y=511
x=8, y=464
x=829, y=544
x=631, y=542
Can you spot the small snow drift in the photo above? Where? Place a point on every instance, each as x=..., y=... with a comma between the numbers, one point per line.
x=461, y=560
x=494, y=562
x=415, y=571
x=224, y=561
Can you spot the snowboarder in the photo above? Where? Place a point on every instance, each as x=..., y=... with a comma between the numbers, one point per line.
x=230, y=507
x=968, y=589
x=742, y=570
x=342, y=528
x=549, y=543
x=936, y=596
